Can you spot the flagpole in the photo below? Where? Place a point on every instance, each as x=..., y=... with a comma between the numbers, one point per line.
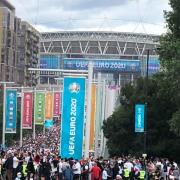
x=34, y=123
x=88, y=117
x=4, y=111
x=22, y=105
x=44, y=129
x=4, y=116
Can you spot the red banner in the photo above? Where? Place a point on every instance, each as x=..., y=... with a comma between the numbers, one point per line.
x=57, y=103
x=27, y=110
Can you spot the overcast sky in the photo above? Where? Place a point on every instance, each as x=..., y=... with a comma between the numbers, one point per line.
x=144, y=16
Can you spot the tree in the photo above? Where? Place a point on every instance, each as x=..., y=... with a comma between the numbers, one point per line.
x=119, y=128
x=170, y=59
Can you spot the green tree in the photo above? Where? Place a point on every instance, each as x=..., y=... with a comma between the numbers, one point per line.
x=170, y=60
x=119, y=128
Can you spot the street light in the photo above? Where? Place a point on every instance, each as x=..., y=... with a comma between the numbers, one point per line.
x=4, y=110
x=146, y=104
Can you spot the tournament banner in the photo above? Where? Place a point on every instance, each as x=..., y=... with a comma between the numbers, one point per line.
x=93, y=113
x=72, y=117
x=27, y=110
x=39, y=108
x=49, y=105
x=48, y=123
x=57, y=103
x=139, y=117
x=11, y=111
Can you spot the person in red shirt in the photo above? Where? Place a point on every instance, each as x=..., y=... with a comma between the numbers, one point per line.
x=96, y=172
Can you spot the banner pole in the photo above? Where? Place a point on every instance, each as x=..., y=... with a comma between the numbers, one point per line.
x=22, y=105
x=44, y=129
x=103, y=117
x=34, y=123
x=4, y=116
x=88, y=117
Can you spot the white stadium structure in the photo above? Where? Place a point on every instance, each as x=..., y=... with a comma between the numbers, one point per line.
x=119, y=56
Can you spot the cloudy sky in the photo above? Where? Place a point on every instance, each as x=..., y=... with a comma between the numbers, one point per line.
x=145, y=16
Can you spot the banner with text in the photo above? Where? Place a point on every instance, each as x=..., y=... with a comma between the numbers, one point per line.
x=27, y=110
x=57, y=103
x=49, y=105
x=39, y=108
x=72, y=118
x=11, y=111
x=139, y=117
x=103, y=65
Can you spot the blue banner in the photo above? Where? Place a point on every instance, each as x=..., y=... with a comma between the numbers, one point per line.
x=72, y=118
x=11, y=111
x=48, y=123
x=49, y=62
x=139, y=117
x=154, y=66
x=110, y=65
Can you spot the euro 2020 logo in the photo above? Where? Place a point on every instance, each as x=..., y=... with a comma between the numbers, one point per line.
x=74, y=88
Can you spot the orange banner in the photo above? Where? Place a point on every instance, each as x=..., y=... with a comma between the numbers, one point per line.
x=93, y=113
x=49, y=105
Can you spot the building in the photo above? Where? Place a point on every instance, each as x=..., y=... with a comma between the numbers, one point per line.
x=9, y=26
x=28, y=53
x=19, y=47
x=118, y=56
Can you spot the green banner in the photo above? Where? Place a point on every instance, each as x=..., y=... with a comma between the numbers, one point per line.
x=39, y=108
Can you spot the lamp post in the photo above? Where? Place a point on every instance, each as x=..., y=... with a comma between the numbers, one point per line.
x=4, y=110
x=146, y=104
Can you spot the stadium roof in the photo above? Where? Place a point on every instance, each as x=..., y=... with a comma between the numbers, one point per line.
x=98, y=43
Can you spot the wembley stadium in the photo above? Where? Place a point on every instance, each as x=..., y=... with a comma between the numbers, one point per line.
x=120, y=57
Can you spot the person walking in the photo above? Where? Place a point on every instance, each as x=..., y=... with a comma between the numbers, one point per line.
x=9, y=166
x=96, y=172
x=68, y=173
x=76, y=170
x=104, y=174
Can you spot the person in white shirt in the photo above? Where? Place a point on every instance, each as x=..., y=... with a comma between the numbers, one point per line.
x=60, y=165
x=104, y=174
x=76, y=170
x=128, y=165
x=27, y=158
x=15, y=165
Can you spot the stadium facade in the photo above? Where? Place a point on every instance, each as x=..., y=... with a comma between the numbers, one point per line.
x=120, y=57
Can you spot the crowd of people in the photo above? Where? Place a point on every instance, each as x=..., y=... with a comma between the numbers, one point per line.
x=32, y=165
x=38, y=159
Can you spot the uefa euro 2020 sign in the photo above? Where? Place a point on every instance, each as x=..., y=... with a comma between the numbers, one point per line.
x=139, y=117
x=72, y=118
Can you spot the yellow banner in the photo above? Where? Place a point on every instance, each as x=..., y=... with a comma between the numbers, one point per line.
x=49, y=105
x=93, y=113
